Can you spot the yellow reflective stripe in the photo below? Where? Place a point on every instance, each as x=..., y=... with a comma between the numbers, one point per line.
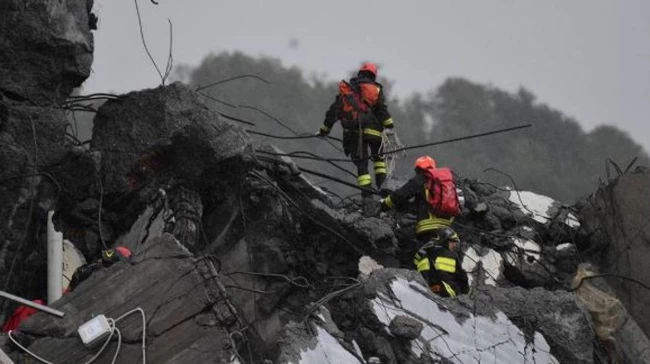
x=388, y=202
x=445, y=264
x=364, y=180
x=388, y=122
x=449, y=290
x=374, y=132
x=380, y=167
x=432, y=224
x=423, y=265
x=324, y=128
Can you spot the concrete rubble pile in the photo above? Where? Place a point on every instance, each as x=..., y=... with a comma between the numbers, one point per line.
x=239, y=258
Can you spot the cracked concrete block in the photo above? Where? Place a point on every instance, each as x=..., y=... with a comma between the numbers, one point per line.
x=47, y=48
x=173, y=122
x=167, y=283
x=615, y=222
x=405, y=327
x=557, y=315
x=453, y=331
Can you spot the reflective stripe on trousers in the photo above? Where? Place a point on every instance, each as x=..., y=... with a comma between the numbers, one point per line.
x=364, y=180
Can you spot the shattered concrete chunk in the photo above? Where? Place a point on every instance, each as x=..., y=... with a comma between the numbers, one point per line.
x=526, y=265
x=298, y=346
x=571, y=338
x=168, y=284
x=615, y=222
x=51, y=48
x=543, y=209
x=368, y=265
x=452, y=333
x=405, y=327
x=172, y=121
x=487, y=266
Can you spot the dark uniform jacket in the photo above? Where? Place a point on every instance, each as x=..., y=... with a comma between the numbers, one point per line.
x=415, y=188
x=381, y=117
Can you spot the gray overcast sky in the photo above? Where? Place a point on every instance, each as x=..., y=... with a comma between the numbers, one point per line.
x=588, y=58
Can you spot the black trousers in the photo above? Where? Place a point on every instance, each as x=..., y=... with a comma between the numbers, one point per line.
x=361, y=150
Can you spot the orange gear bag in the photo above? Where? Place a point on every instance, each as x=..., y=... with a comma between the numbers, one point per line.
x=442, y=194
x=356, y=100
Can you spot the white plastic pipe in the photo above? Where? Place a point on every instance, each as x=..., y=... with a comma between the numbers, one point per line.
x=35, y=305
x=54, y=261
x=4, y=358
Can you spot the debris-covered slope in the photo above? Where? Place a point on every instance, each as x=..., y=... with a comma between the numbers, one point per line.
x=239, y=258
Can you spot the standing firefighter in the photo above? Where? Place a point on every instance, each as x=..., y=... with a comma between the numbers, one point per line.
x=361, y=108
x=436, y=202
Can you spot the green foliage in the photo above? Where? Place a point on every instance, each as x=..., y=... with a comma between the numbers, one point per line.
x=555, y=157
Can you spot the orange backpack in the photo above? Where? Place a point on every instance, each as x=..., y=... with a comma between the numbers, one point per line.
x=356, y=100
x=441, y=192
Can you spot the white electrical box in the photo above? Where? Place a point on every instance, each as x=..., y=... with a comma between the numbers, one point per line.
x=94, y=330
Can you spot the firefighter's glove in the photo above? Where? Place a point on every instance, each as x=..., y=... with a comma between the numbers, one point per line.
x=321, y=133
x=389, y=132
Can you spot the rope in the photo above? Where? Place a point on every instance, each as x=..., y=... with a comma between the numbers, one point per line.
x=390, y=143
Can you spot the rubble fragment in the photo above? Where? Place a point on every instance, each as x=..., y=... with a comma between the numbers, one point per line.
x=187, y=319
x=240, y=258
x=173, y=122
x=51, y=48
x=615, y=224
x=405, y=327
x=451, y=332
x=571, y=339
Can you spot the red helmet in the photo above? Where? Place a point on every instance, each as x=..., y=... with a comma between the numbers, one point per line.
x=110, y=256
x=425, y=162
x=369, y=67
x=123, y=251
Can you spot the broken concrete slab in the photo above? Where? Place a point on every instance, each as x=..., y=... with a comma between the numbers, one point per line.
x=405, y=327
x=299, y=346
x=186, y=318
x=372, y=232
x=452, y=333
x=170, y=120
x=149, y=225
x=615, y=224
x=543, y=209
x=526, y=265
x=48, y=48
x=571, y=338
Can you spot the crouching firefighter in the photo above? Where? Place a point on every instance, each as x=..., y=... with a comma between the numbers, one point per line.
x=109, y=257
x=361, y=108
x=436, y=202
x=440, y=265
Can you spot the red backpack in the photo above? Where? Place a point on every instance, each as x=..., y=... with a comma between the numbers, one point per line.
x=441, y=192
x=356, y=100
